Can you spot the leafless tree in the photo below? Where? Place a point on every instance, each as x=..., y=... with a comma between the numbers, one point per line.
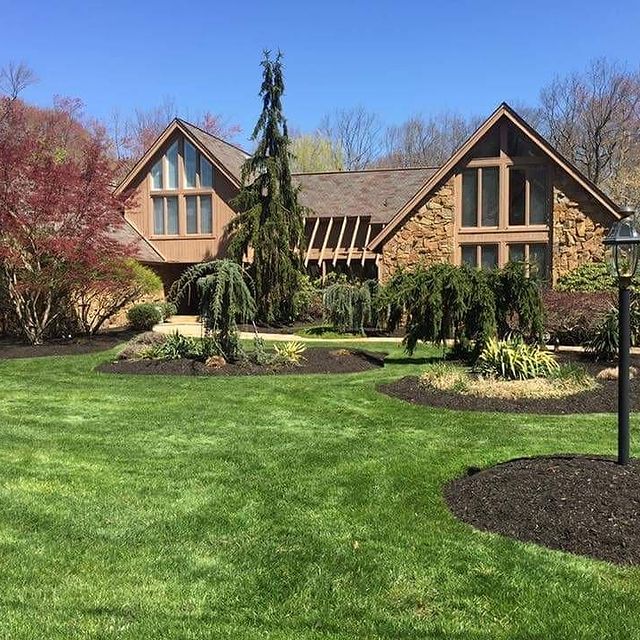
x=133, y=135
x=422, y=141
x=357, y=133
x=15, y=77
x=593, y=118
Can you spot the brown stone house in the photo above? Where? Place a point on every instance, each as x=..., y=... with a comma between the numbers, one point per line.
x=505, y=194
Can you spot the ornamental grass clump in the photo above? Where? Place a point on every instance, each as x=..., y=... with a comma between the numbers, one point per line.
x=514, y=360
x=290, y=352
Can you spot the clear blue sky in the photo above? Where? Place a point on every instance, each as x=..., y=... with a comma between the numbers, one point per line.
x=396, y=58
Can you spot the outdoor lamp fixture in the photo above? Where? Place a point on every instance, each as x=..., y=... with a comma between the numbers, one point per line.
x=623, y=244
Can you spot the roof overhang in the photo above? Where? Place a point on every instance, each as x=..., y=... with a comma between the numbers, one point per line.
x=504, y=110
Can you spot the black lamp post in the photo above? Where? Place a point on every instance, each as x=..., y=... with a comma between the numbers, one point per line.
x=623, y=243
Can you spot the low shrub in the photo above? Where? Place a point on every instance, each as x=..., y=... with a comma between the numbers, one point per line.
x=140, y=344
x=572, y=318
x=514, y=360
x=260, y=355
x=590, y=277
x=566, y=380
x=167, y=309
x=176, y=347
x=290, y=352
x=179, y=347
x=142, y=317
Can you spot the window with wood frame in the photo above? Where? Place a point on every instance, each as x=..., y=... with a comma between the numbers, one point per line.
x=503, y=199
x=181, y=190
x=535, y=255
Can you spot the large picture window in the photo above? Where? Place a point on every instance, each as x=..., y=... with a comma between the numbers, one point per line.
x=503, y=201
x=185, y=171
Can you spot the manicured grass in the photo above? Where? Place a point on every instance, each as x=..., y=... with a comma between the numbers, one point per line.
x=273, y=507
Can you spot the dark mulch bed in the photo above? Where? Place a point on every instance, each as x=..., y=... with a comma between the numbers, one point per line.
x=585, y=505
x=317, y=360
x=75, y=346
x=604, y=399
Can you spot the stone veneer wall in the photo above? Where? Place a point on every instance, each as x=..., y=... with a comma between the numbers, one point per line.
x=579, y=224
x=425, y=237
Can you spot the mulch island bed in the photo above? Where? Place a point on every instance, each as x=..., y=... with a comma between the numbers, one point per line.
x=316, y=360
x=600, y=400
x=585, y=505
x=75, y=346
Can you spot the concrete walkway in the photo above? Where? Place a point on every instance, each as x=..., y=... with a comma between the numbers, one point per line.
x=189, y=326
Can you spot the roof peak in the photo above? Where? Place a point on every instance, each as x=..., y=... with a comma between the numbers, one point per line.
x=211, y=135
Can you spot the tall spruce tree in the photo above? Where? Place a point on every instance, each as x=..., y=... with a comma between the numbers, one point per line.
x=270, y=220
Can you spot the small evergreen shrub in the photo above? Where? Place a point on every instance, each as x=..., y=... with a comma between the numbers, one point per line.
x=142, y=317
x=167, y=309
x=514, y=360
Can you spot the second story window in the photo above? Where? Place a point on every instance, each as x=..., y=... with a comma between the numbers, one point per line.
x=528, y=201
x=165, y=216
x=198, y=171
x=480, y=197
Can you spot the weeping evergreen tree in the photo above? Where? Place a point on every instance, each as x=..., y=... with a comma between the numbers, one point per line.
x=224, y=299
x=270, y=220
x=469, y=305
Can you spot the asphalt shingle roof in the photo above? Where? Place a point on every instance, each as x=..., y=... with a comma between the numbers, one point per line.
x=378, y=193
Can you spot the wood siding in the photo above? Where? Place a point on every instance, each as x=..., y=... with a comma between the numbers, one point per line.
x=183, y=248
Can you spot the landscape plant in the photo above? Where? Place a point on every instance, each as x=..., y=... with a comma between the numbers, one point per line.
x=269, y=221
x=57, y=212
x=291, y=352
x=143, y=316
x=470, y=306
x=109, y=289
x=224, y=299
x=514, y=359
x=348, y=306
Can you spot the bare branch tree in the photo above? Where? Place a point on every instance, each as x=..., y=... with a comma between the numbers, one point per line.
x=357, y=133
x=593, y=118
x=421, y=141
x=15, y=77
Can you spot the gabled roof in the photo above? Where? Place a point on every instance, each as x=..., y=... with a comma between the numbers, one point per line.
x=226, y=157
x=127, y=234
x=378, y=193
x=504, y=110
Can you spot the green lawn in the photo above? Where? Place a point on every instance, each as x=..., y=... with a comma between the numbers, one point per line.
x=273, y=507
